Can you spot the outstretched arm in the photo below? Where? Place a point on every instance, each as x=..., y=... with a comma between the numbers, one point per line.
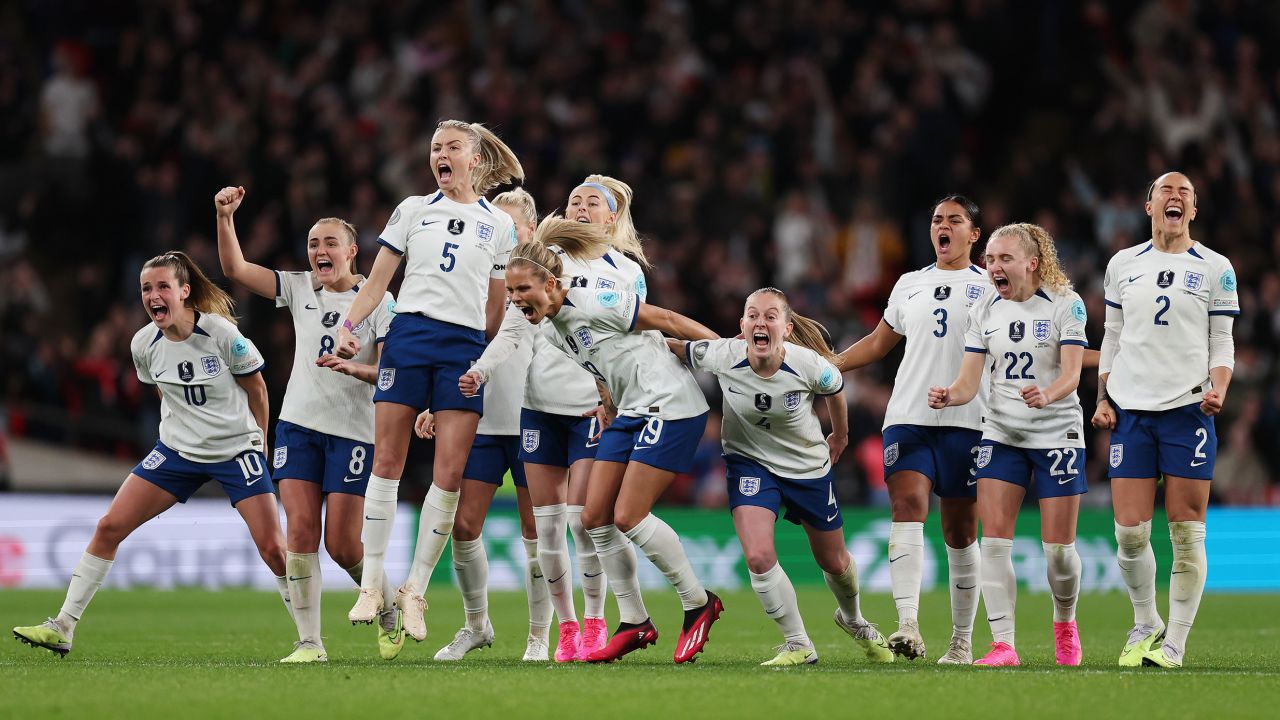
x=668, y=322
x=259, y=280
x=869, y=349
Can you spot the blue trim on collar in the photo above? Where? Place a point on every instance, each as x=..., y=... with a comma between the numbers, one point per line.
x=568, y=302
x=485, y=206
x=787, y=368
x=195, y=328
x=156, y=339
x=745, y=363
x=976, y=269
x=1192, y=251
x=1043, y=294
x=1146, y=249
x=436, y=199
x=610, y=260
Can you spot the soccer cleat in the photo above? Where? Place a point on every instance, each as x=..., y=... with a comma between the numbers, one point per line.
x=1141, y=638
x=48, y=635
x=414, y=609
x=390, y=633
x=907, y=642
x=868, y=638
x=1162, y=657
x=466, y=640
x=626, y=638
x=594, y=635
x=1001, y=655
x=367, y=606
x=567, y=643
x=960, y=652
x=697, y=628
x=306, y=651
x=535, y=650
x=1066, y=640
x=792, y=654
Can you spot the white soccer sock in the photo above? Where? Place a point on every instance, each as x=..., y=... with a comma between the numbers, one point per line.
x=435, y=525
x=535, y=586
x=620, y=562
x=1138, y=568
x=553, y=556
x=303, y=571
x=999, y=587
x=906, y=567
x=379, y=516
x=963, y=570
x=472, y=565
x=88, y=576
x=845, y=587
x=662, y=546
x=593, y=577
x=778, y=596
x=1186, y=583
x=1063, y=571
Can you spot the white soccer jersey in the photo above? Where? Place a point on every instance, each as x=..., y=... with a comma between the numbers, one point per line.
x=451, y=252
x=1163, y=358
x=930, y=307
x=771, y=420
x=1022, y=341
x=318, y=398
x=204, y=413
x=504, y=389
x=597, y=329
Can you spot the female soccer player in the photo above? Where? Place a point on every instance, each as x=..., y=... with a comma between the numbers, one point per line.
x=922, y=447
x=661, y=416
x=1033, y=428
x=1167, y=357
x=494, y=453
x=212, y=427
x=324, y=438
x=776, y=456
x=562, y=414
x=456, y=244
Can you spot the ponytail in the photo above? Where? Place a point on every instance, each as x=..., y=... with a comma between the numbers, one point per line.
x=622, y=233
x=498, y=164
x=521, y=200
x=205, y=297
x=581, y=241
x=1038, y=243
x=805, y=331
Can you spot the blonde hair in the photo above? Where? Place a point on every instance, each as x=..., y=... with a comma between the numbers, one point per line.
x=205, y=297
x=498, y=164
x=1038, y=243
x=521, y=200
x=805, y=332
x=622, y=233
x=350, y=231
x=541, y=260
x=581, y=241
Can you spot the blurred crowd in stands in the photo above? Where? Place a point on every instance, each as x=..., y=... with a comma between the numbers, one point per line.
x=796, y=143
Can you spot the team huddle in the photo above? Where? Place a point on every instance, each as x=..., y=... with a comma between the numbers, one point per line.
x=528, y=349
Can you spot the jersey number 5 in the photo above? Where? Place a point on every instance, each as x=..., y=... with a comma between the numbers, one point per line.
x=450, y=258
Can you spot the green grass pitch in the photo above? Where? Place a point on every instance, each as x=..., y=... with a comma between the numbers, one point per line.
x=189, y=654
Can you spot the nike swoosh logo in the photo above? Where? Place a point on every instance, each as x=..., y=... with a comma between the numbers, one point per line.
x=1179, y=572
x=438, y=532
x=346, y=479
x=161, y=372
x=770, y=612
x=309, y=307
x=538, y=577
x=251, y=482
x=553, y=582
x=429, y=222
x=1198, y=464
x=963, y=587
x=971, y=483
x=988, y=332
x=914, y=294
x=296, y=579
x=735, y=391
x=832, y=517
x=1135, y=277
x=898, y=558
x=991, y=619
x=593, y=574
x=1064, y=482
x=366, y=517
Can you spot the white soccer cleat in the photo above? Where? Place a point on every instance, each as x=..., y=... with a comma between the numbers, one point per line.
x=960, y=652
x=367, y=606
x=306, y=651
x=536, y=650
x=466, y=640
x=867, y=637
x=414, y=608
x=907, y=642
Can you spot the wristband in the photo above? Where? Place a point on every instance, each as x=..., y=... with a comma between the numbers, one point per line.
x=347, y=324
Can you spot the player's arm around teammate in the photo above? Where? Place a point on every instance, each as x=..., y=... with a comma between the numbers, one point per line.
x=455, y=246
x=1033, y=429
x=214, y=406
x=1167, y=360
x=324, y=438
x=776, y=457
x=926, y=449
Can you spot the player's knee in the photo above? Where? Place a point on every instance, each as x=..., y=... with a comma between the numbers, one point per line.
x=110, y=530
x=833, y=562
x=388, y=464
x=465, y=528
x=909, y=507
x=960, y=537
x=592, y=519
x=761, y=560
x=345, y=553
x=626, y=521
x=304, y=535
x=1132, y=539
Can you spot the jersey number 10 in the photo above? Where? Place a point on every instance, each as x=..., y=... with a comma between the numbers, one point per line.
x=194, y=394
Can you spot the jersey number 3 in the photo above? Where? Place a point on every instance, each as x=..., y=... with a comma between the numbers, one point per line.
x=941, y=330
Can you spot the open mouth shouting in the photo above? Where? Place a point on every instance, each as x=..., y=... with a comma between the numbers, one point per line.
x=158, y=310
x=1173, y=214
x=444, y=172
x=1001, y=282
x=944, y=241
x=324, y=266
x=760, y=341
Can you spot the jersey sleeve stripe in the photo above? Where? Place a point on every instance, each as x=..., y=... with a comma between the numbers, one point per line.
x=1233, y=313
x=975, y=350
x=688, y=353
x=635, y=315
x=1081, y=343
x=1112, y=304
x=390, y=247
x=833, y=392
x=254, y=371
x=891, y=327
x=277, y=274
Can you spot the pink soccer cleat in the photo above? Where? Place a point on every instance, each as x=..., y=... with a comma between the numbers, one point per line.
x=1066, y=637
x=1001, y=655
x=567, y=645
x=595, y=635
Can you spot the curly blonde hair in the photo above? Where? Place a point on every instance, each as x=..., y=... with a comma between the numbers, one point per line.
x=1038, y=243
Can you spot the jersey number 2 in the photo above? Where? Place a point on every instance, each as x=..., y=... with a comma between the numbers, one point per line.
x=1162, y=301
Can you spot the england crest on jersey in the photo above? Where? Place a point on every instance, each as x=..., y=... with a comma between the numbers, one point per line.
x=584, y=337
x=748, y=486
x=1041, y=329
x=386, y=378
x=1193, y=280
x=530, y=440
x=280, y=457
x=984, y=456
x=1117, y=455
x=211, y=365
x=484, y=231
x=791, y=400
x=973, y=292
x=153, y=460
x=891, y=455
x=605, y=284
